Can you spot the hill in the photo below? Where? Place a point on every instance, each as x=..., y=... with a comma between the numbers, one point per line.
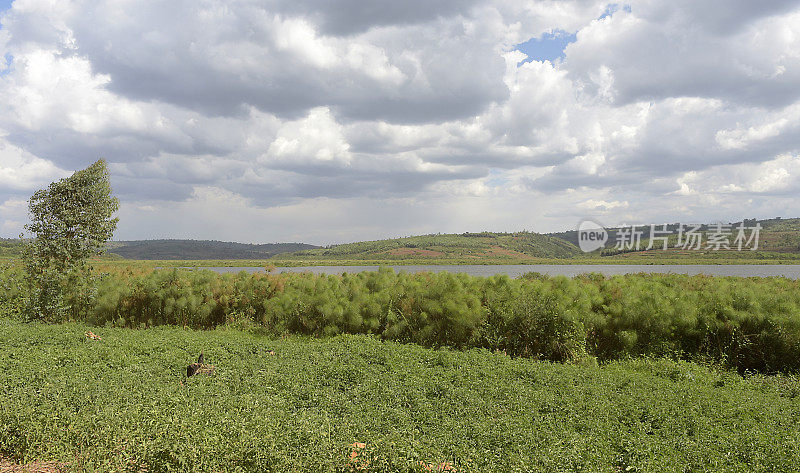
x=200, y=249
x=778, y=236
x=463, y=247
x=779, y=240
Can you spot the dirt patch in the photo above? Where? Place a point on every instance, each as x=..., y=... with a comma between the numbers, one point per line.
x=497, y=251
x=415, y=252
x=7, y=466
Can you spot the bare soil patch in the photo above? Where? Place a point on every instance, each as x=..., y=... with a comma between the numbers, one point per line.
x=415, y=252
x=497, y=251
x=8, y=466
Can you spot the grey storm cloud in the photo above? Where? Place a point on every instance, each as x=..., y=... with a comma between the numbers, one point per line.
x=279, y=57
x=719, y=16
x=347, y=17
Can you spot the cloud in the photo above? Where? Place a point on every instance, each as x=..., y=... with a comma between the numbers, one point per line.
x=222, y=59
x=778, y=176
x=316, y=139
x=297, y=120
x=15, y=214
x=24, y=172
x=347, y=17
x=737, y=51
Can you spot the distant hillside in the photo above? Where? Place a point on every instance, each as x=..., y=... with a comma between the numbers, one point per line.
x=200, y=249
x=10, y=247
x=780, y=238
x=777, y=235
x=465, y=246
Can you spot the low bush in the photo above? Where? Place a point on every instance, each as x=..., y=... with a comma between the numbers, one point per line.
x=751, y=324
x=11, y=293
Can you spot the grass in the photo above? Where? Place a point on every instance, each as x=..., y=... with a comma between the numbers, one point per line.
x=300, y=404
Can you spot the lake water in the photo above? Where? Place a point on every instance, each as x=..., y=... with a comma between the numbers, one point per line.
x=515, y=270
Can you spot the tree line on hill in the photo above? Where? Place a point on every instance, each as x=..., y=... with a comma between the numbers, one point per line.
x=201, y=249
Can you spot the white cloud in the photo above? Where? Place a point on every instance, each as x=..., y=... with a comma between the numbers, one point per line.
x=358, y=121
x=22, y=171
x=13, y=215
x=314, y=139
x=601, y=206
x=681, y=48
x=777, y=176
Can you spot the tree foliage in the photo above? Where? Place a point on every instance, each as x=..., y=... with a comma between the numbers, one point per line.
x=70, y=220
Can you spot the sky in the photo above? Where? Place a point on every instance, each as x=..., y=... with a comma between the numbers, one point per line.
x=328, y=122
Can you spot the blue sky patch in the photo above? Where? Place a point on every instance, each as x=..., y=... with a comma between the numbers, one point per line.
x=5, y=68
x=548, y=47
x=496, y=178
x=613, y=8
x=4, y=5
x=5, y=65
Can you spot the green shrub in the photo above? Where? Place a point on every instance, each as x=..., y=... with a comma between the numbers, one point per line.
x=747, y=324
x=12, y=297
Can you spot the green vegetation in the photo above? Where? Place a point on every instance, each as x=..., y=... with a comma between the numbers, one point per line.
x=779, y=243
x=384, y=371
x=466, y=246
x=747, y=324
x=311, y=375
x=71, y=221
x=122, y=403
x=778, y=240
x=697, y=257
x=10, y=248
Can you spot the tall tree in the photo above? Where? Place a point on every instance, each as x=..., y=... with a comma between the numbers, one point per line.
x=71, y=220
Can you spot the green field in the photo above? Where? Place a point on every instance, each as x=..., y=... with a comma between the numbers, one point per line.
x=429, y=372
x=299, y=404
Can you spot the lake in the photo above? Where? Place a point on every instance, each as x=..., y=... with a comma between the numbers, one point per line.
x=515, y=270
